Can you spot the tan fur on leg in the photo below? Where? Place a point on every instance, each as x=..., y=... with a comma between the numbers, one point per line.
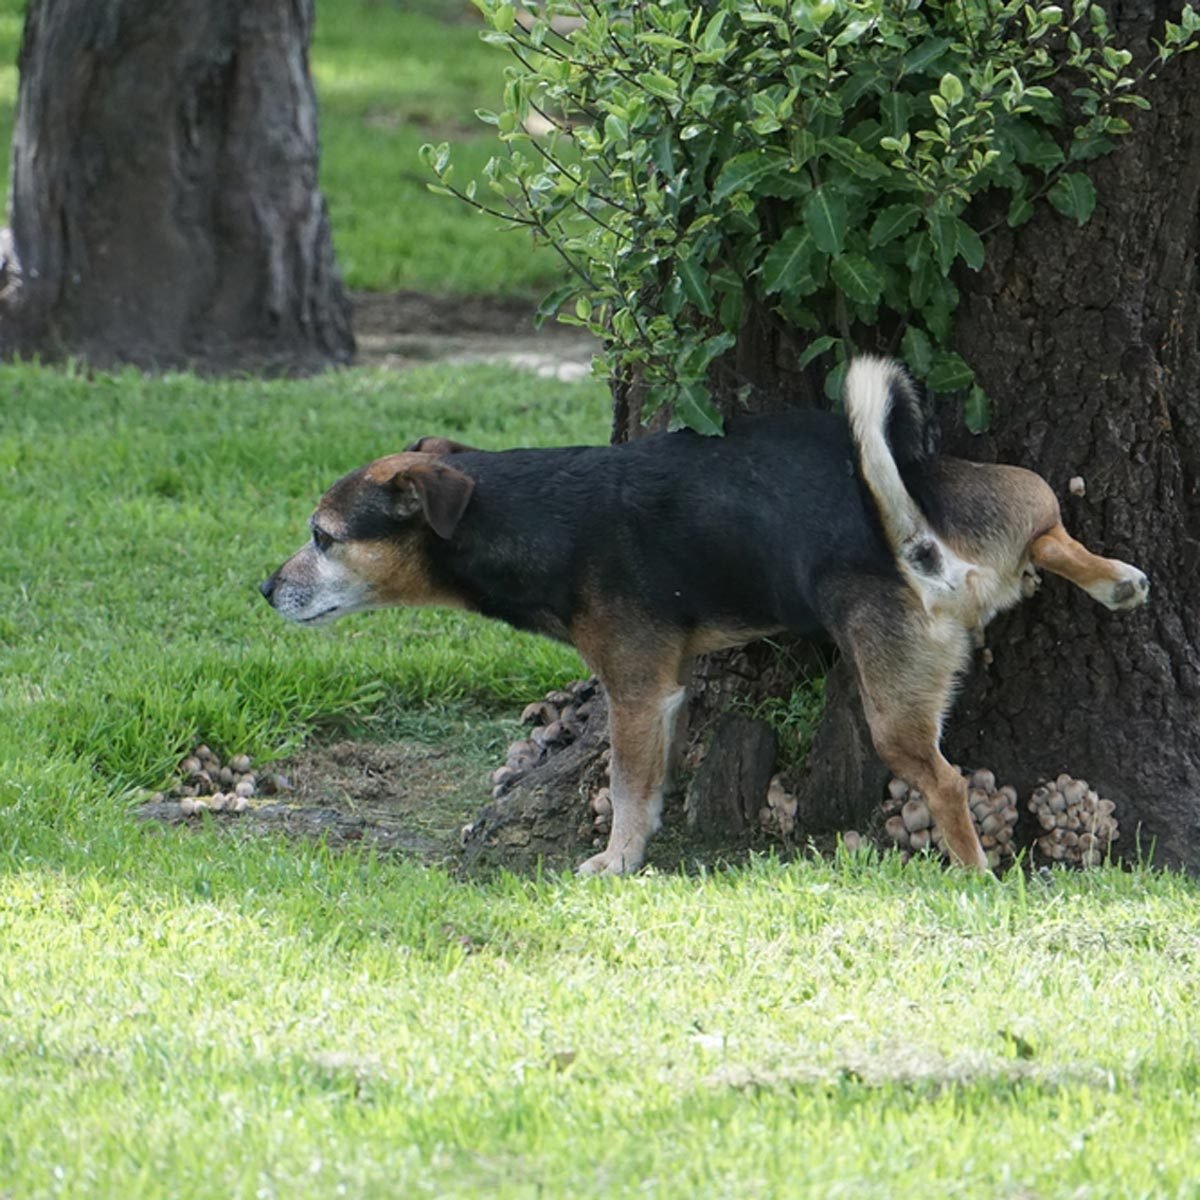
x=907, y=664
x=1115, y=584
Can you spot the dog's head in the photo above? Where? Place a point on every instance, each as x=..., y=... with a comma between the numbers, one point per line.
x=370, y=534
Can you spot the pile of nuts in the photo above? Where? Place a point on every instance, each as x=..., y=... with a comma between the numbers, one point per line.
x=600, y=807
x=909, y=824
x=1079, y=826
x=209, y=785
x=778, y=815
x=557, y=721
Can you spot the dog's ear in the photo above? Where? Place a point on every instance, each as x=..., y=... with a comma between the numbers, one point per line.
x=438, y=446
x=440, y=492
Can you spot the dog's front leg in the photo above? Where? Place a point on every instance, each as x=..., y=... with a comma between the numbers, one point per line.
x=642, y=730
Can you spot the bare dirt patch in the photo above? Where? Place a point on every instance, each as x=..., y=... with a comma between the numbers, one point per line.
x=406, y=797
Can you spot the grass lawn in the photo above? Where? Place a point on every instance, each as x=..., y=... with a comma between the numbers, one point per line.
x=204, y=1013
x=198, y=1013
x=390, y=77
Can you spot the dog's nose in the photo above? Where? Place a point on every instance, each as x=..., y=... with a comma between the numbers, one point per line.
x=267, y=587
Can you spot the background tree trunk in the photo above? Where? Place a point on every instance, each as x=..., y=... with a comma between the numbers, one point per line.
x=164, y=202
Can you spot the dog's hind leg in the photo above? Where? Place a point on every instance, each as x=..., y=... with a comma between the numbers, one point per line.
x=1115, y=584
x=907, y=664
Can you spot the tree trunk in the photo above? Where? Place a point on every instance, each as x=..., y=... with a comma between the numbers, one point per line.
x=164, y=201
x=1085, y=340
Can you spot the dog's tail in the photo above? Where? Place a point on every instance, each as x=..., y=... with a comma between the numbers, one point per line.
x=889, y=428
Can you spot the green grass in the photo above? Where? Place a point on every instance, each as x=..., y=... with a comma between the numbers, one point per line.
x=390, y=77
x=170, y=500
x=198, y=1013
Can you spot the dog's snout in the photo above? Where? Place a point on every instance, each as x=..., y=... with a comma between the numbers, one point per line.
x=267, y=587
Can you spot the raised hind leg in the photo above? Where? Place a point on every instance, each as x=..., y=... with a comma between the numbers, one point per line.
x=1115, y=584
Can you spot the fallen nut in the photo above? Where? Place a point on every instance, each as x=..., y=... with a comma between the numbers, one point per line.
x=915, y=815
x=540, y=712
x=894, y=828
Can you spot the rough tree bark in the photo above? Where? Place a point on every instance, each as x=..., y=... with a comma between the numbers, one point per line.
x=164, y=204
x=1086, y=341
x=1090, y=341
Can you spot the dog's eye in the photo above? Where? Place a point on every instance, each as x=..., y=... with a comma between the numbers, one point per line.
x=321, y=540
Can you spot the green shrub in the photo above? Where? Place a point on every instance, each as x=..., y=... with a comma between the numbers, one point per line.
x=819, y=158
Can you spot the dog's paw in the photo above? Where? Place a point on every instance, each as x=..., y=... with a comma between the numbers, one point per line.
x=612, y=861
x=1130, y=589
x=1030, y=582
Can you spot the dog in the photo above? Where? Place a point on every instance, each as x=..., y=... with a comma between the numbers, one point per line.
x=645, y=555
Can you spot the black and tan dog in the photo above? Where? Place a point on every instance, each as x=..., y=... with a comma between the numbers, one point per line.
x=645, y=555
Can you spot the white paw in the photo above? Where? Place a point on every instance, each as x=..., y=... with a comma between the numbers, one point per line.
x=1130, y=590
x=612, y=861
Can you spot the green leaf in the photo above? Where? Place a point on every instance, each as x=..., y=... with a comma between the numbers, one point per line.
x=825, y=217
x=853, y=157
x=834, y=382
x=943, y=230
x=917, y=350
x=949, y=373
x=662, y=40
x=857, y=277
x=662, y=150
x=553, y=302
x=893, y=222
x=951, y=89
x=1019, y=211
x=924, y=278
x=694, y=359
x=815, y=349
x=1073, y=195
x=977, y=410
x=695, y=409
x=970, y=245
x=919, y=58
x=662, y=86
x=743, y=171
x=895, y=109
x=1033, y=145
x=695, y=283
x=786, y=267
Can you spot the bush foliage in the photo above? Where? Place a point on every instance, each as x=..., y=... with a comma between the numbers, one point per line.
x=818, y=157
